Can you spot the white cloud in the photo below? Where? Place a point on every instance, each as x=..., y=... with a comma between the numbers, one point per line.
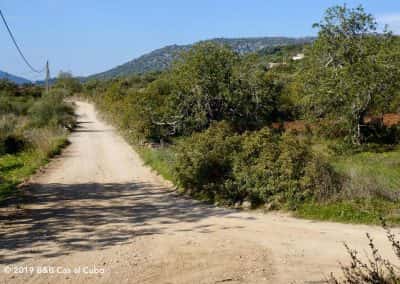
x=392, y=20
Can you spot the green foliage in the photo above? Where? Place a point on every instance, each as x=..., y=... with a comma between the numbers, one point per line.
x=51, y=110
x=8, y=87
x=350, y=70
x=11, y=144
x=370, y=174
x=254, y=96
x=15, y=105
x=356, y=210
x=14, y=169
x=32, y=129
x=201, y=85
x=378, y=133
x=283, y=170
x=138, y=110
x=67, y=82
x=160, y=159
x=260, y=166
x=205, y=160
x=8, y=134
x=210, y=83
x=254, y=168
x=283, y=53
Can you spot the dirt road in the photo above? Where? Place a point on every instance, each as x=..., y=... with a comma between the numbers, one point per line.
x=99, y=216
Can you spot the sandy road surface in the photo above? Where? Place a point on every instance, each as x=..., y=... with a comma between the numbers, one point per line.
x=98, y=207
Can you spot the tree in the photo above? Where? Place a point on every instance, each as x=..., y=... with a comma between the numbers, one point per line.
x=201, y=84
x=213, y=83
x=66, y=81
x=348, y=70
x=254, y=94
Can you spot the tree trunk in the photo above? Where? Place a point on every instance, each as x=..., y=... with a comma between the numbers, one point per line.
x=355, y=129
x=358, y=135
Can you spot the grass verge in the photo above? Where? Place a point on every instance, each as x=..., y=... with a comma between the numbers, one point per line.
x=371, y=188
x=361, y=211
x=160, y=160
x=14, y=169
x=382, y=169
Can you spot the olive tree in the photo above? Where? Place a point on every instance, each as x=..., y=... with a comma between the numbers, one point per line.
x=350, y=69
x=201, y=84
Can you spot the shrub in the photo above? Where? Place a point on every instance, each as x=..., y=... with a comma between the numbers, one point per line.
x=12, y=144
x=320, y=181
x=377, y=132
x=204, y=162
x=294, y=156
x=43, y=139
x=282, y=170
x=15, y=105
x=254, y=168
x=376, y=270
x=52, y=111
x=260, y=166
x=11, y=140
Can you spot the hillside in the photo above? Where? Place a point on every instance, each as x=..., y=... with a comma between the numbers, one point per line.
x=13, y=78
x=162, y=58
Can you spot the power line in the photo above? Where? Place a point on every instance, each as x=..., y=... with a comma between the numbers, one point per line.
x=17, y=46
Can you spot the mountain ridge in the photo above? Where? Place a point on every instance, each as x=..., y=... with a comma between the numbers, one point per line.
x=14, y=78
x=161, y=58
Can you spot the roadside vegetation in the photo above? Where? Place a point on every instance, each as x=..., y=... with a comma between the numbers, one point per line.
x=309, y=136
x=375, y=269
x=33, y=127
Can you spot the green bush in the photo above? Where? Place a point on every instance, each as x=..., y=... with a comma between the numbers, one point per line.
x=32, y=129
x=295, y=155
x=12, y=144
x=282, y=170
x=204, y=162
x=15, y=105
x=261, y=167
x=21, y=113
x=320, y=181
x=52, y=111
x=255, y=166
x=11, y=139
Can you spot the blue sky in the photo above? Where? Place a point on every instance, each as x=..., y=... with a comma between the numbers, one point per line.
x=89, y=36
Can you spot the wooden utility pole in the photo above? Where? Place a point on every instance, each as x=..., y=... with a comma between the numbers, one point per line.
x=47, y=77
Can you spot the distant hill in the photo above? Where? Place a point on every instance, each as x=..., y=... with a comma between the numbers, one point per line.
x=43, y=82
x=160, y=59
x=13, y=78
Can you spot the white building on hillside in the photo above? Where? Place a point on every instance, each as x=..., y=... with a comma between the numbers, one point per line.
x=299, y=56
